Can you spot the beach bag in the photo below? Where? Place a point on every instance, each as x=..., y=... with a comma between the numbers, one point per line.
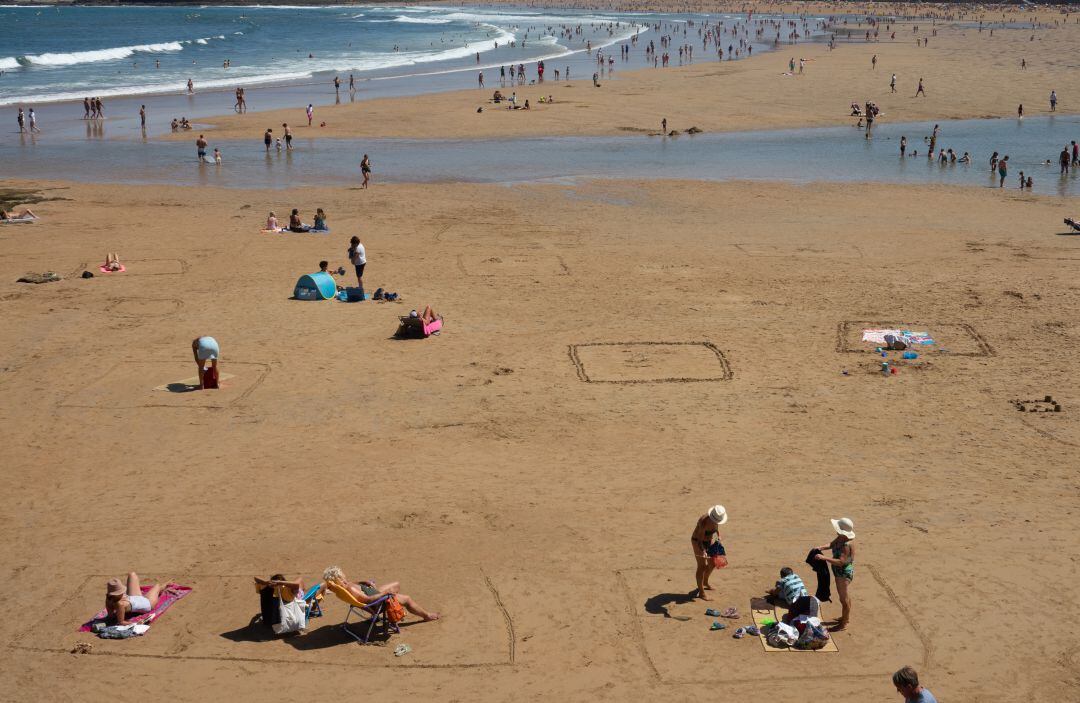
x=210, y=377
x=718, y=555
x=813, y=637
x=293, y=616
x=783, y=635
x=395, y=612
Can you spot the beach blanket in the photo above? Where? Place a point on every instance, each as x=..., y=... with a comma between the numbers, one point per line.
x=172, y=593
x=877, y=336
x=765, y=615
x=105, y=270
x=18, y=221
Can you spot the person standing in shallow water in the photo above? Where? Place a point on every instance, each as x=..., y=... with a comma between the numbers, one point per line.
x=705, y=534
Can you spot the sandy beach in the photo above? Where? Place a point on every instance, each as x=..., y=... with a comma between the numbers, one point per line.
x=617, y=357
x=967, y=74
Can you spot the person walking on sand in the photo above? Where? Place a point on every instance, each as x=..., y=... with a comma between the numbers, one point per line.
x=907, y=684
x=892, y=83
x=1003, y=170
x=365, y=169
x=873, y=62
x=1053, y=101
x=142, y=115
x=842, y=562
x=701, y=543
x=310, y=114
x=920, y=90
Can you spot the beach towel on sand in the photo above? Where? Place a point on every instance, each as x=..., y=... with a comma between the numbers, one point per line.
x=172, y=593
x=105, y=270
x=876, y=336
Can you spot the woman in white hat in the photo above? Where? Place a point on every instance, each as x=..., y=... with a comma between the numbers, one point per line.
x=704, y=535
x=843, y=565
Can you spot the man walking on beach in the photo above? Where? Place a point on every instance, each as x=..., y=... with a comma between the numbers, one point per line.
x=1075, y=153
x=1063, y=159
x=907, y=685
x=21, y=118
x=142, y=115
x=481, y=79
x=200, y=146
x=288, y=135
x=873, y=62
x=892, y=83
x=920, y=90
x=1053, y=101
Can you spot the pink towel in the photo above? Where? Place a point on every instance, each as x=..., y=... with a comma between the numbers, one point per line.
x=172, y=593
x=105, y=270
x=432, y=327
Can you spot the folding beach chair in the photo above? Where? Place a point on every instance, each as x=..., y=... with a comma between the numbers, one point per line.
x=313, y=598
x=1072, y=223
x=374, y=611
x=416, y=328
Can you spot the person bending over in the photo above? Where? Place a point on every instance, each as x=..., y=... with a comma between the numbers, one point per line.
x=206, y=349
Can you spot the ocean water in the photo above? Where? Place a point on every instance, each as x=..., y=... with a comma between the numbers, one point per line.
x=55, y=53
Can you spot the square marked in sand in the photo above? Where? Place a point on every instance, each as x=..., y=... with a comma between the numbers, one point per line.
x=677, y=645
x=153, y=267
x=799, y=251
x=145, y=307
x=649, y=362
x=950, y=338
x=140, y=384
x=516, y=265
x=214, y=622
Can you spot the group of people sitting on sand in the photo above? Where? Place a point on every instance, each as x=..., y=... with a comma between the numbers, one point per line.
x=296, y=224
x=182, y=123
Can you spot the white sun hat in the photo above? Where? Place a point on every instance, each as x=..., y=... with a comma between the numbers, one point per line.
x=718, y=514
x=844, y=526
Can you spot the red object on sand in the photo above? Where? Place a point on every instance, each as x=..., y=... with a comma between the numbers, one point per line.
x=210, y=377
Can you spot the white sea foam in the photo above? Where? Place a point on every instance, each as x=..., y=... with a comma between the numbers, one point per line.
x=421, y=20
x=97, y=55
x=118, y=52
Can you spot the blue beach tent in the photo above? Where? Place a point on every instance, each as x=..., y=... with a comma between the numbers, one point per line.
x=315, y=286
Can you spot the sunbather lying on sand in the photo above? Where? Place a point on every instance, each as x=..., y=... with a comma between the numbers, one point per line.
x=26, y=214
x=122, y=601
x=428, y=315
x=112, y=262
x=367, y=592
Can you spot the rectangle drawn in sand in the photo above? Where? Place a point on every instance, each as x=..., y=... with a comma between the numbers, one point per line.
x=679, y=647
x=216, y=623
x=649, y=362
x=156, y=384
x=950, y=338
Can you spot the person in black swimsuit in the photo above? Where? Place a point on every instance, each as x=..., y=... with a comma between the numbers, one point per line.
x=704, y=535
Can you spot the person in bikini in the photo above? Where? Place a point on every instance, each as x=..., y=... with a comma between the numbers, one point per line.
x=123, y=600
x=367, y=592
x=705, y=534
x=842, y=562
x=26, y=214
